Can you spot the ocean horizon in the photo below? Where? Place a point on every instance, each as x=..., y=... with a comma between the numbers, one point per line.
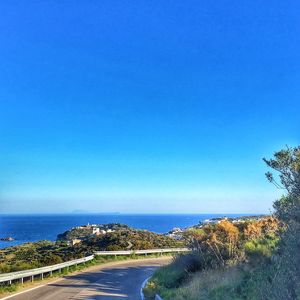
x=35, y=227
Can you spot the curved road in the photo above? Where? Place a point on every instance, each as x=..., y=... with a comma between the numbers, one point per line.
x=117, y=281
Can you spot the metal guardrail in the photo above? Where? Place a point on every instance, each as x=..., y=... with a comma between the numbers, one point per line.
x=150, y=251
x=9, y=277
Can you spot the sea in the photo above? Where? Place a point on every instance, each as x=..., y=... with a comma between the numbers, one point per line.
x=32, y=228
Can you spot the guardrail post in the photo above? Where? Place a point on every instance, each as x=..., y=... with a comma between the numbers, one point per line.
x=22, y=280
x=42, y=276
x=32, y=278
x=51, y=273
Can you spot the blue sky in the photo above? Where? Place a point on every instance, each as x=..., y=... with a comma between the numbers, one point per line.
x=142, y=107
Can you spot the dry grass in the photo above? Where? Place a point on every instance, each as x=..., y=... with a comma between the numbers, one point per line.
x=211, y=284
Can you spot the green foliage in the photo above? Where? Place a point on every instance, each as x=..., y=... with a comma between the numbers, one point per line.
x=35, y=255
x=285, y=282
x=8, y=288
x=129, y=238
x=208, y=284
x=261, y=248
x=149, y=291
x=169, y=277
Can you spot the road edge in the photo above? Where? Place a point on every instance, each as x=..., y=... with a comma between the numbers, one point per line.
x=157, y=297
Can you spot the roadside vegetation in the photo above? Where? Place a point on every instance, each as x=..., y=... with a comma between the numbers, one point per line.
x=247, y=260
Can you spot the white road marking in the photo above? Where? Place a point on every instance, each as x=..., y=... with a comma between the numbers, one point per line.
x=142, y=287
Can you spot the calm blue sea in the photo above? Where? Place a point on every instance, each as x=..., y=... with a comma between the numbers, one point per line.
x=30, y=228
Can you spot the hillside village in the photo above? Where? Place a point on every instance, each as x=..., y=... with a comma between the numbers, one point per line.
x=80, y=233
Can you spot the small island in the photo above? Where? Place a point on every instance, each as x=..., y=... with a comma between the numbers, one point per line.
x=7, y=239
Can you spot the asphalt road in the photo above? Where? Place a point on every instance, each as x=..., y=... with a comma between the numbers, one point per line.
x=115, y=282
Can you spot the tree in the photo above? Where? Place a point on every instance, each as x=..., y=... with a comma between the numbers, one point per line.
x=287, y=163
x=285, y=282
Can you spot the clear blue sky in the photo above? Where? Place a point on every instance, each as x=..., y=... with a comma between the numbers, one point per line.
x=145, y=106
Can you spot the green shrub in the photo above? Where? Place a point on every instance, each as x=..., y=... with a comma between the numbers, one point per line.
x=8, y=288
x=149, y=291
x=261, y=248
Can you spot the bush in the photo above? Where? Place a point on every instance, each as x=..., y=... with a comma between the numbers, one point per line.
x=259, y=249
x=149, y=291
x=178, y=271
x=8, y=288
